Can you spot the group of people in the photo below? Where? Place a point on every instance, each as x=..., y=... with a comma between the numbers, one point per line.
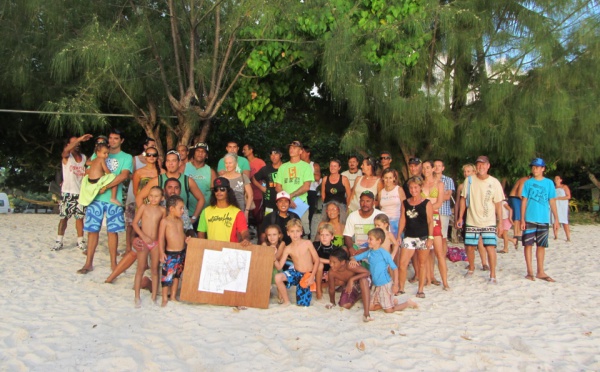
x=371, y=226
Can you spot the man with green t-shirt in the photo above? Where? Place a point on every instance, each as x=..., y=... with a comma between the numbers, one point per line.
x=294, y=177
x=200, y=172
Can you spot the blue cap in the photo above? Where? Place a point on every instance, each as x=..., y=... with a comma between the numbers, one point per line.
x=537, y=162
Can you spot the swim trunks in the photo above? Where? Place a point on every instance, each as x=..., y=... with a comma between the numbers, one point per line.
x=70, y=207
x=139, y=244
x=414, y=243
x=488, y=235
x=172, y=268
x=350, y=298
x=303, y=295
x=94, y=214
x=536, y=233
x=383, y=296
x=515, y=203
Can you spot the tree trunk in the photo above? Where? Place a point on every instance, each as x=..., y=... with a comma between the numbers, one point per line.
x=593, y=179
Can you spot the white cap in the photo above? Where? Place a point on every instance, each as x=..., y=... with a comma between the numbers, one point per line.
x=283, y=194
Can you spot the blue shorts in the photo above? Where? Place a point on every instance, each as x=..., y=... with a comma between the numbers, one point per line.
x=303, y=295
x=515, y=203
x=487, y=234
x=94, y=214
x=536, y=233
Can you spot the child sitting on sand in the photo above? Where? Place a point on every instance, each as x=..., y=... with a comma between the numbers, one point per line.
x=354, y=279
x=384, y=287
x=97, y=177
x=302, y=275
x=171, y=242
x=147, y=241
x=324, y=246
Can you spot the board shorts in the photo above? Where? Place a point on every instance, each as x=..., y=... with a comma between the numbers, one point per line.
x=94, y=214
x=536, y=233
x=437, y=224
x=383, y=296
x=515, y=203
x=350, y=298
x=172, y=268
x=303, y=295
x=415, y=243
x=70, y=207
x=129, y=213
x=487, y=234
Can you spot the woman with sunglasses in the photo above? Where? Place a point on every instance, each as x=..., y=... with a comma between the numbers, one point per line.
x=239, y=183
x=367, y=182
x=149, y=171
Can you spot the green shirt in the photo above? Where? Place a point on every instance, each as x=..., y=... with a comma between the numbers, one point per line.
x=291, y=176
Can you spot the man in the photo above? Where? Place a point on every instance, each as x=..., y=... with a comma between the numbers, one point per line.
x=482, y=196
x=353, y=172
x=446, y=208
x=222, y=220
x=256, y=164
x=295, y=177
x=539, y=199
x=121, y=165
x=359, y=223
x=200, y=172
x=314, y=186
x=73, y=170
x=279, y=217
x=385, y=160
x=415, y=169
x=172, y=167
x=243, y=166
x=183, y=155
x=514, y=201
x=264, y=180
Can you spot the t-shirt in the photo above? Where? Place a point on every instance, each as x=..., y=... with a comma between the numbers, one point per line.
x=242, y=165
x=274, y=218
x=352, y=176
x=293, y=175
x=446, y=209
x=538, y=194
x=268, y=175
x=358, y=227
x=222, y=224
x=116, y=163
x=202, y=177
x=255, y=165
x=483, y=196
x=73, y=173
x=379, y=261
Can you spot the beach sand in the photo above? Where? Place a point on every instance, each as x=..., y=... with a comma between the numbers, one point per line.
x=54, y=319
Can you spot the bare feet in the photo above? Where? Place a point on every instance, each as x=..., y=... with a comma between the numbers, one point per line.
x=319, y=295
x=164, y=303
x=485, y=268
x=545, y=278
x=447, y=288
x=412, y=305
x=115, y=201
x=530, y=277
x=138, y=303
x=367, y=318
x=285, y=304
x=84, y=270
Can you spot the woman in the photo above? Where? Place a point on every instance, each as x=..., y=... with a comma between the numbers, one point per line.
x=239, y=183
x=337, y=218
x=368, y=181
x=433, y=189
x=335, y=187
x=390, y=198
x=416, y=221
x=563, y=195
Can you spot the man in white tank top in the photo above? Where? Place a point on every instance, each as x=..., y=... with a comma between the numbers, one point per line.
x=73, y=170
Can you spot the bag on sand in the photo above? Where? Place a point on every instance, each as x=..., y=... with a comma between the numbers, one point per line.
x=456, y=254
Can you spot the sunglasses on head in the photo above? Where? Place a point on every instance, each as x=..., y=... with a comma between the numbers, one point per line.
x=222, y=189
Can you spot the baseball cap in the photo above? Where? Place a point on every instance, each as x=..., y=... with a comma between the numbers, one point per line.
x=101, y=139
x=201, y=145
x=296, y=143
x=283, y=195
x=537, y=162
x=482, y=159
x=275, y=150
x=414, y=161
x=221, y=182
x=368, y=194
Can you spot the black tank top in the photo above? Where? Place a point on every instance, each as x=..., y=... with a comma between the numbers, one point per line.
x=416, y=219
x=335, y=191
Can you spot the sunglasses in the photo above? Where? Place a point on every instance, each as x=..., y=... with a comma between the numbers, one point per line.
x=152, y=155
x=385, y=158
x=222, y=189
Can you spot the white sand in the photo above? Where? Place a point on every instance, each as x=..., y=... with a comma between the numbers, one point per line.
x=53, y=318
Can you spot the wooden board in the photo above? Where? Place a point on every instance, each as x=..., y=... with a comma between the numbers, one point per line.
x=259, y=276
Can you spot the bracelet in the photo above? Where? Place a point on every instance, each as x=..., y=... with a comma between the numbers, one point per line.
x=193, y=218
x=430, y=237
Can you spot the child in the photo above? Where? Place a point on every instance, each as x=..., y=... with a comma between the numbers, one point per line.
x=97, y=176
x=323, y=246
x=274, y=239
x=147, y=241
x=306, y=261
x=384, y=287
x=390, y=244
x=507, y=222
x=171, y=241
x=350, y=277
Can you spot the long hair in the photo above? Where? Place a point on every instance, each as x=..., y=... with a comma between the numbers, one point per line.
x=231, y=200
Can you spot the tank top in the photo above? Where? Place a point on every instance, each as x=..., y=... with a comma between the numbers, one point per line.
x=390, y=203
x=73, y=173
x=335, y=191
x=416, y=219
x=359, y=189
x=185, y=187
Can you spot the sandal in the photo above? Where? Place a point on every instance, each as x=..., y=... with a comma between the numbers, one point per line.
x=436, y=282
x=420, y=295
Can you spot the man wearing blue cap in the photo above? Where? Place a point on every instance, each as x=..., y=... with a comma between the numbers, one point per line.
x=538, y=194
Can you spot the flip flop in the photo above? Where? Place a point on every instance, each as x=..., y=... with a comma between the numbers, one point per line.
x=436, y=282
x=485, y=268
x=546, y=279
x=84, y=271
x=530, y=277
x=501, y=252
x=420, y=295
x=367, y=319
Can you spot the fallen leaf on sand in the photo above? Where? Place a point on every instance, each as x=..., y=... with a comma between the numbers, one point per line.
x=236, y=310
x=393, y=332
x=466, y=338
x=587, y=333
x=96, y=325
x=360, y=346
